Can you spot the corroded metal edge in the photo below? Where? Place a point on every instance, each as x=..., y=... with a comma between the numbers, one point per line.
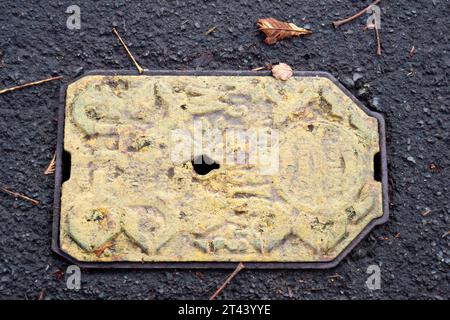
x=210, y=265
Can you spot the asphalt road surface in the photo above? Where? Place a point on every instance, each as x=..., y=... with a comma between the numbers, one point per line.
x=412, y=93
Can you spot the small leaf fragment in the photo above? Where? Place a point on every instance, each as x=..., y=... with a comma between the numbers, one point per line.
x=282, y=71
x=276, y=30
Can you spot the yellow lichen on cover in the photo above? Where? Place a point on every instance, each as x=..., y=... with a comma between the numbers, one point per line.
x=127, y=199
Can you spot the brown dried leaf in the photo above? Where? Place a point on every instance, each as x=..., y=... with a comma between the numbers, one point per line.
x=276, y=30
x=282, y=71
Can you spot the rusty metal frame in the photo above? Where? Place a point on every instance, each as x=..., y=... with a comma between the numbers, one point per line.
x=213, y=265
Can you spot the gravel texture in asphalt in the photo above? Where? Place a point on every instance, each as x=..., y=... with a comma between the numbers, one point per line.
x=412, y=93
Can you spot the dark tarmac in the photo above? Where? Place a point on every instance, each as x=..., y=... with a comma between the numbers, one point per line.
x=412, y=93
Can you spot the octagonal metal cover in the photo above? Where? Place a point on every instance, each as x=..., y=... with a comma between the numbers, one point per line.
x=206, y=169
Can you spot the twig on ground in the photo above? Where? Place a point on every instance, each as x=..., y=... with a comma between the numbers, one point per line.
x=18, y=195
x=29, y=84
x=426, y=212
x=378, y=38
x=259, y=69
x=210, y=30
x=239, y=267
x=268, y=66
x=42, y=294
x=359, y=14
x=138, y=67
x=411, y=52
x=51, y=167
x=445, y=234
x=334, y=276
x=375, y=26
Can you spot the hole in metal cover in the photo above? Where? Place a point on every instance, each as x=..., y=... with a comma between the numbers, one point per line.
x=204, y=164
